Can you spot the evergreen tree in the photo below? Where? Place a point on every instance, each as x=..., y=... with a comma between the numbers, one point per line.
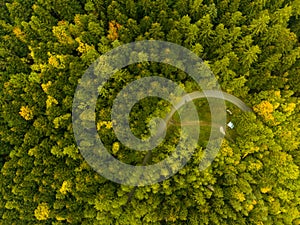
x=252, y=47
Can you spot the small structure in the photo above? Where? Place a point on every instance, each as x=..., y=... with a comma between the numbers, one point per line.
x=230, y=125
x=210, y=187
x=227, y=110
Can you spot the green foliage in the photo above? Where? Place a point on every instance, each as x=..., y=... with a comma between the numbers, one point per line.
x=253, y=49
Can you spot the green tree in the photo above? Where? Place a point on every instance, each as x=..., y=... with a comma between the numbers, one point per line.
x=252, y=47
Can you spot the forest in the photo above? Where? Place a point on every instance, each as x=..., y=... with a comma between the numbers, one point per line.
x=251, y=47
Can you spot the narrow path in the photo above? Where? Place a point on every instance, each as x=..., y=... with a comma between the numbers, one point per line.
x=208, y=94
x=204, y=94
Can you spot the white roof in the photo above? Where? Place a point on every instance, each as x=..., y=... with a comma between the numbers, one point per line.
x=230, y=124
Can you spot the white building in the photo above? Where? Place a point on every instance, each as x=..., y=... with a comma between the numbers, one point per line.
x=230, y=125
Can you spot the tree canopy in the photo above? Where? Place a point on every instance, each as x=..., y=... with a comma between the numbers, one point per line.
x=253, y=49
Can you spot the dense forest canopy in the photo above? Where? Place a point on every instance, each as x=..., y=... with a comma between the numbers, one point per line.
x=253, y=49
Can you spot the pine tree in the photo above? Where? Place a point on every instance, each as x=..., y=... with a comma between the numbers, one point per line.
x=252, y=47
